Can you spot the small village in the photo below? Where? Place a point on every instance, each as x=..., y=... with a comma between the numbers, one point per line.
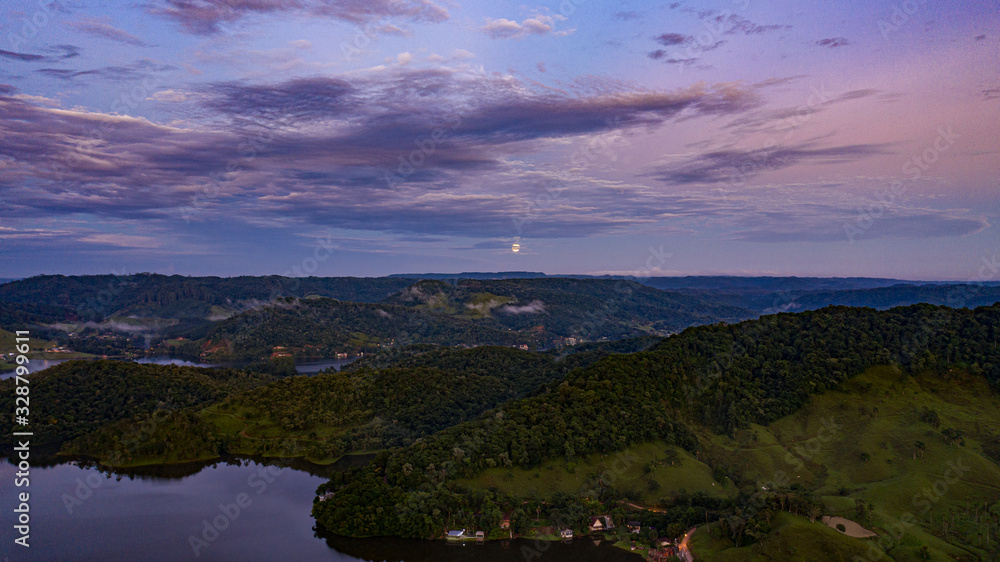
x=598, y=530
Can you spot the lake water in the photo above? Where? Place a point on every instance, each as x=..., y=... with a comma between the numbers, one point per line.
x=304, y=367
x=80, y=513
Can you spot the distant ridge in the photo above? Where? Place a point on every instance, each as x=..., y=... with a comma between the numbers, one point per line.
x=704, y=282
x=480, y=275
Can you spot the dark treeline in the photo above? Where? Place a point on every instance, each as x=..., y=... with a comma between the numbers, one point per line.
x=95, y=297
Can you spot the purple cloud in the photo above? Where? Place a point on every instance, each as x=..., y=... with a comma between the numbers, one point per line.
x=203, y=17
x=101, y=28
x=736, y=166
x=833, y=42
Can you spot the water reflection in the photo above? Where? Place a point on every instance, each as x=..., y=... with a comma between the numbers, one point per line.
x=188, y=512
x=408, y=550
x=310, y=367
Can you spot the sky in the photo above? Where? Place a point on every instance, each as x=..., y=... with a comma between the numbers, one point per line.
x=353, y=137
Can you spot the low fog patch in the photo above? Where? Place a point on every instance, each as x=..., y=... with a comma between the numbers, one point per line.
x=533, y=307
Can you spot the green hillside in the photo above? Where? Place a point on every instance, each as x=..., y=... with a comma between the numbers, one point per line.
x=328, y=415
x=702, y=391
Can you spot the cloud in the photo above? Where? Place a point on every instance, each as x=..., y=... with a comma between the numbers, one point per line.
x=304, y=44
x=401, y=151
x=833, y=42
x=833, y=226
x=737, y=166
x=122, y=240
x=138, y=69
x=626, y=16
x=62, y=52
x=389, y=29
x=533, y=307
x=171, y=96
x=688, y=43
x=536, y=25
x=671, y=39
x=787, y=119
x=738, y=25
x=204, y=17
x=21, y=56
x=660, y=54
x=101, y=28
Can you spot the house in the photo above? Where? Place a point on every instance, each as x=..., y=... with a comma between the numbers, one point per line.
x=566, y=533
x=505, y=522
x=634, y=526
x=601, y=523
x=480, y=536
x=456, y=535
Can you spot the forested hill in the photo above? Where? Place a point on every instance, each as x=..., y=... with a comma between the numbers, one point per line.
x=796, y=297
x=722, y=377
x=952, y=295
x=560, y=307
x=78, y=397
x=95, y=297
x=534, y=312
x=424, y=355
x=362, y=409
x=324, y=327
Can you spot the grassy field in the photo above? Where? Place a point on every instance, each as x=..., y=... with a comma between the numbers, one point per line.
x=793, y=538
x=671, y=468
x=874, y=441
x=8, y=340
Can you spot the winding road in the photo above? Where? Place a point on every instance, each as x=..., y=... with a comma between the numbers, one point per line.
x=683, y=552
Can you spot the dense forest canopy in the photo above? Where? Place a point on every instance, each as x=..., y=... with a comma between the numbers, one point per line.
x=721, y=376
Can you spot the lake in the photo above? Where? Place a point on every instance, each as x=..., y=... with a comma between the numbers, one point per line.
x=255, y=511
x=304, y=367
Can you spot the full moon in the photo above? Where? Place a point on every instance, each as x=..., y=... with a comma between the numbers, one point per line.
x=515, y=248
